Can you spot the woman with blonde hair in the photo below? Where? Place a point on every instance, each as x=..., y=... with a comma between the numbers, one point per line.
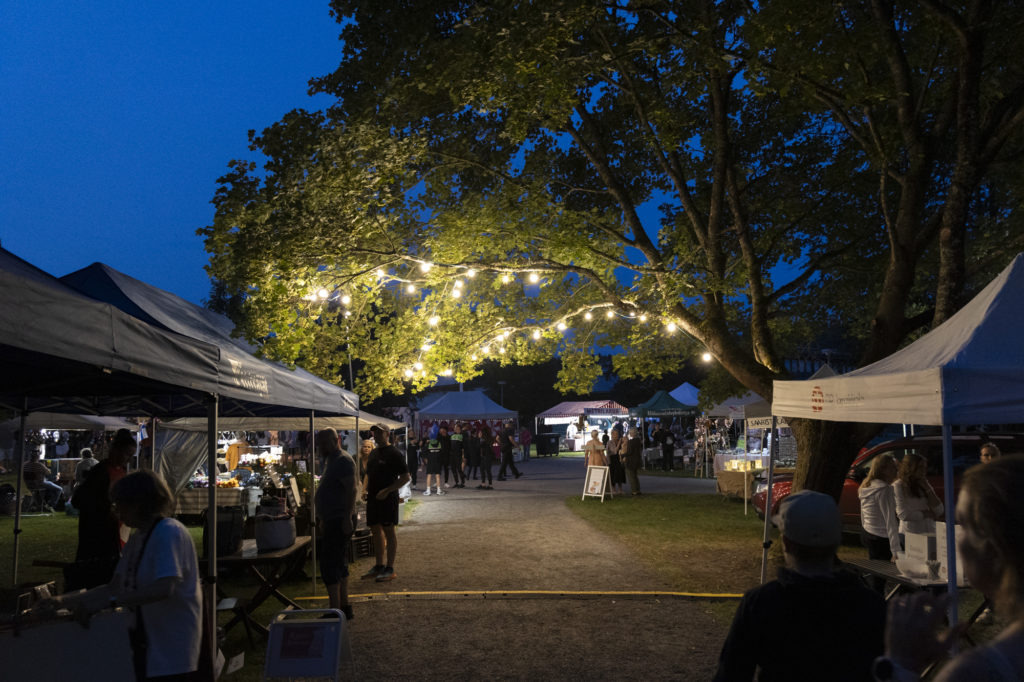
x=992, y=549
x=593, y=452
x=879, y=524
x=917, y=505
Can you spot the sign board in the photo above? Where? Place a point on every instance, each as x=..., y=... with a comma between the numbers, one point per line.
x=295, y=492
x=307, y=644
x=765, y=423
x=597, y=481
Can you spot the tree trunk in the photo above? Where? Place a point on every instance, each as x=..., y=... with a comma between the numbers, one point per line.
x=825, y=451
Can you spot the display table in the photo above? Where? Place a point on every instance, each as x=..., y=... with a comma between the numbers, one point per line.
x=269, y=569
x=64, y=649
x=195, y=500
x=736, y=483
x=754, y=460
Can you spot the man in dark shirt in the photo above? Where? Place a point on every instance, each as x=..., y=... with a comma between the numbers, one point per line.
x=813, y=622
x=456, y=445
x=386, y=473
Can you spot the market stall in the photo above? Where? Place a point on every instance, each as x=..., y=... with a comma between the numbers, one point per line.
x=468, y=408
x=573, y=420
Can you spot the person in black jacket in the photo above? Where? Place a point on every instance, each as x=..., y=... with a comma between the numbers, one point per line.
x=507, y=445
x=457, y=450
x=813, y=622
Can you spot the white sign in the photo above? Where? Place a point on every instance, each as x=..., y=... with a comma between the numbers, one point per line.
x=596, y=483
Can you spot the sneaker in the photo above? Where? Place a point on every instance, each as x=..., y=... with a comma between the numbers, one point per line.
x=373, y=572
x=446, y=486
x=518, y=474
x=387, y=574
x=427, y=491
x=440, y=492
x=986, y=617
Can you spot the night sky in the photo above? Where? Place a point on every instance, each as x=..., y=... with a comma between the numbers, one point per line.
x=118, y=118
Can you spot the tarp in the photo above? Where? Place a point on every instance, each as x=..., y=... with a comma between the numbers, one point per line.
x=585, y=407
x=69, y=422
x=738, y=407
x=969, y=370
x=465, y=405
x=237, y=368
x=661, y=404
x=686, y=393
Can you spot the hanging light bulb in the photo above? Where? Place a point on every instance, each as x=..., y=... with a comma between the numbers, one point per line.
x=502, y=350
x=506, y=278
x=323, y=293
x=473, y=357
x=632, y=314
x=534, y=278
x=671, y=327
x=471, y=273
x=426, y=346
x=410, y=289
x=587, y=316
x=456, y=293
x=536, y=335
x=643, y=317
x=380, y=273
x=433, y=320
x=417, y=366
x=610, y=314
x=505, y=334
x=458, y=284
x=706, y=357
x=425, y=266
x=486, y=350
x=346, y=299
x=408, y=374
x=561, y=326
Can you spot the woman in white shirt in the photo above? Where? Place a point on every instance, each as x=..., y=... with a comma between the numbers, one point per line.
x=594, y=451
x=880, y=527
x=917, y=505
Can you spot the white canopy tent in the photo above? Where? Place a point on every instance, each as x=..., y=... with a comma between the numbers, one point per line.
x=969, y=370
x=58, y=421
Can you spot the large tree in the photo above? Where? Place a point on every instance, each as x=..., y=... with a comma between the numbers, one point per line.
x=520, y=180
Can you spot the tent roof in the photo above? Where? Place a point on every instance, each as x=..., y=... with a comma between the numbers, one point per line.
x=661, y=404
x=686, y=393
x=578, y=407
x=465, y=405
x=343, y=423
x=969, y=370
x=738, y=407
x=272, y=383
x=65, y=352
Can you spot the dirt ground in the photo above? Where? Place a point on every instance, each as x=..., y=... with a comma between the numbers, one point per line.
x=509, y=584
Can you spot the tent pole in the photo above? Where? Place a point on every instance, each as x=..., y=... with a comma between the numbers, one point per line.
x=17, y=504
x=947, y=482
x=210, y=584
x=312, y=505
x=766, y=543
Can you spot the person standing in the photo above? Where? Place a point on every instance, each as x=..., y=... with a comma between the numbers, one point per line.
x=507, y=463
x=593, y=452
x=335, y=505
x=616, y=452
x=473, y=455
x=486, y=458
x=834, y=623
x=634, y=459
x=917, y=505
x=446, y=452
x=989, y=452
x=99, y=530
x=664, y=438
x=432, y=455
x=412, y=459
x=84, y=466
x=880, y=532
x=386, y=473
x=457, y=452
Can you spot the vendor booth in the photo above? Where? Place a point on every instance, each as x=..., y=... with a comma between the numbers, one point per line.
x=662, y=406
x=969, y=370
x=467, y=408
x=575, y=419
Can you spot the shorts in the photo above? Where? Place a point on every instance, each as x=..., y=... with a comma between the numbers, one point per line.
x=334, y=551
x=382, y=513
x=434, y=463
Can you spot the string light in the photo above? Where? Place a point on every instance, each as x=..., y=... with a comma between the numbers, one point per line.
x=408, y=374
x=610, y=314
x=505, y=334
x=425, y=266
x=706, y=357
x=587, y=316
x=323, y=293
x=434, y=320
x=346, y=299
x=380, y=273
x=536, y=334
x=456, y=293
x=426, y=346
x=458, y=284
x=561, y=326
x=502, y=350
x=471, y=273
x=411, y=289
x=505, y=279
x=486, y=350
x=671, y=327
x=643, y=318
x=473, y=357
x=417, y=366
x=534, y=278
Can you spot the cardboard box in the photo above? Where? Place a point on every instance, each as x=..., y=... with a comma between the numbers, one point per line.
x=919, y=546
x=940, y=552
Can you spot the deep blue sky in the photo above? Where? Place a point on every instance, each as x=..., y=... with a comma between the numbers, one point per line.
x=116, y=119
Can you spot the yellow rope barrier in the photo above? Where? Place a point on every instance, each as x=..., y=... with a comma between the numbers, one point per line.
x=537, y=593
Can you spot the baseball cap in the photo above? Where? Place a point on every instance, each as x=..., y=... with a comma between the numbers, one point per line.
x=811, y=519
x=380, y=427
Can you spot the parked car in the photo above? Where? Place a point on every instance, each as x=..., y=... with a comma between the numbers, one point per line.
x=965, y=455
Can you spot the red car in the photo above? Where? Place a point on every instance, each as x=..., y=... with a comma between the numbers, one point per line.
x=965, y=455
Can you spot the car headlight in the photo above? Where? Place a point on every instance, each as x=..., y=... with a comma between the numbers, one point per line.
x=760, y=488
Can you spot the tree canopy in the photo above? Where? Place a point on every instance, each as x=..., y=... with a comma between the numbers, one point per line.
x=523, y=180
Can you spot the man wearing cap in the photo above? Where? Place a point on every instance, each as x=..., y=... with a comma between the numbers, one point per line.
x=386, y=473
x=814, y=622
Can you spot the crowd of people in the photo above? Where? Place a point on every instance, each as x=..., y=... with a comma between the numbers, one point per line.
x=451, y=460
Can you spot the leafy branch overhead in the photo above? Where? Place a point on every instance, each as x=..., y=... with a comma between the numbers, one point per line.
x=516, y=181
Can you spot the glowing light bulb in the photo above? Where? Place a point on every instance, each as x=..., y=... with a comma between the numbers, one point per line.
x=501, y=350
x=706, y=357
x=323, y=293
x=471, y=273
x=408, y=374
x=534, y=278
x=434, y=320
x=587, y=316
x=610, y=314
x=411, y=289
x=348, y=313
x=536, y=334
x=643, y=318
x=447, y=372
x=473, y=357
x=632, y=314
x=417, y=366
x=380, y=273
x=425, y=266
x=346, y=299
x=505, y=279
x=456, y=293
x=458, y=284
x=486, y=350
x=671, y=327
x=561, y=326
x=426, y=346
x=506, y=334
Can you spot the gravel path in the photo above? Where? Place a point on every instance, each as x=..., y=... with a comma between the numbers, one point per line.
x=466, y=604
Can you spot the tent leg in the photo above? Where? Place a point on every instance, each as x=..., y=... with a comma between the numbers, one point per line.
x=210, y=584
x=766, y=543
x=950, y=502
x=312, y=505
x=20, y=450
